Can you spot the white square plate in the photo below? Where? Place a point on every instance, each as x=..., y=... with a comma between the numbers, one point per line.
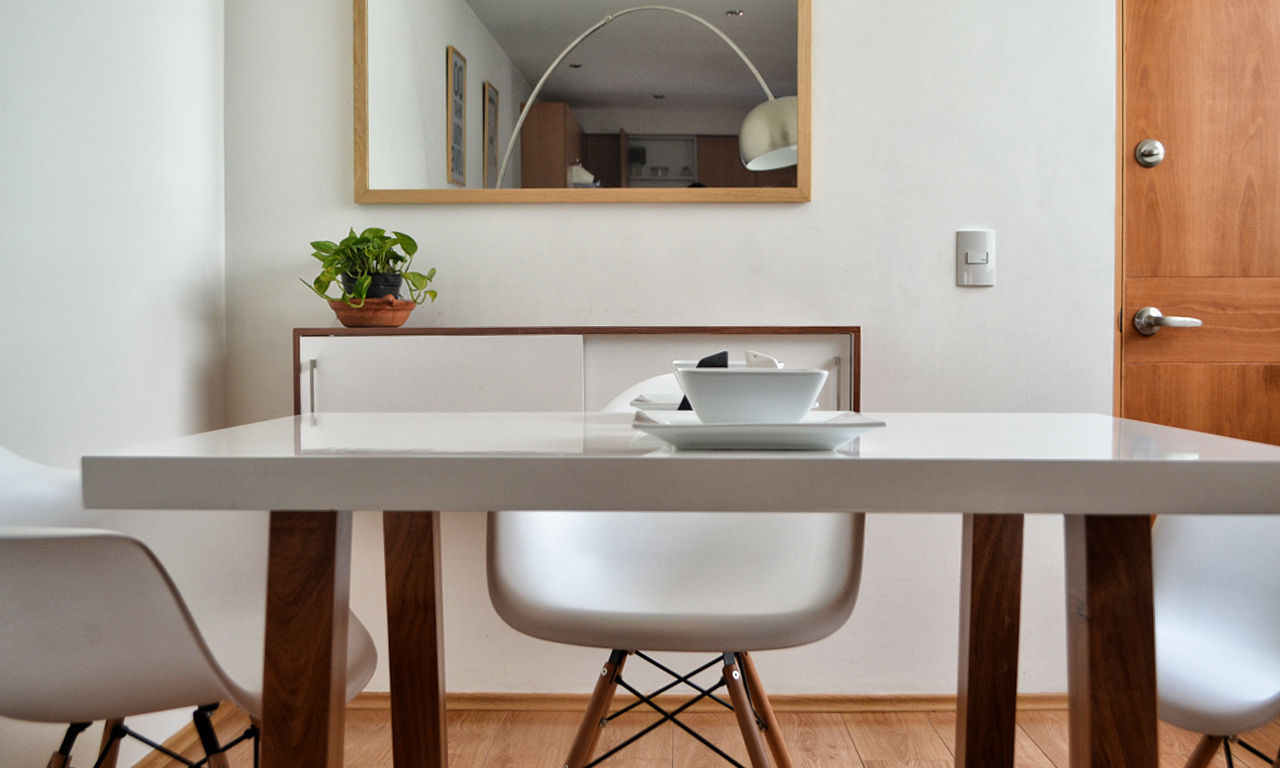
x=818, y=431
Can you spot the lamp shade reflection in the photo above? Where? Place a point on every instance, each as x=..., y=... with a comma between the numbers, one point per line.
x=770, y=134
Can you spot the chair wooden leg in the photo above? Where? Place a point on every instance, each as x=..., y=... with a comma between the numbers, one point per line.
x=772, y=732
x=62, y=758
x=742, y=710
x=208, y=735
x=109, y=759
x=584, y=742
x=1204, y=752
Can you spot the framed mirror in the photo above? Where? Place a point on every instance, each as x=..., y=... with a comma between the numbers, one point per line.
x=647, y=108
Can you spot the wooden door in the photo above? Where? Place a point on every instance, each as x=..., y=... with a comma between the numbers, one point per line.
x=602, y=155
x=550, y=141
x=720, y=164
x=1200, y=232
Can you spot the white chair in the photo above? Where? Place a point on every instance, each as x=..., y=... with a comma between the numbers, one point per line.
x=726, y=583
x=1217, y=616
x=92, y=626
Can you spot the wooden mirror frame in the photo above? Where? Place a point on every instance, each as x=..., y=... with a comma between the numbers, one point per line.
x=796, y=194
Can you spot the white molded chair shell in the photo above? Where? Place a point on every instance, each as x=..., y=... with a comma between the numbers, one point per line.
x=1217, y=613
x=674, y=581
x=668, y=581
x=103, y=634
x=92, y=626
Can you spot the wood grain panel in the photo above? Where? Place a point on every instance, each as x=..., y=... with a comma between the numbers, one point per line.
x=818, y=739
x=1026, y=753
x=532, y=740
x=1048, y=731
x=548, y=129
x=602, y=155
x=990, y=605
x=304, y=683
x=576, y=702
x=721, y=729
x=1204, y=80
x=720, y=164
x=1111, y=671
x=1241, y=320
x=415, y=638
x=653, y=749
x=895, y=736
x=1233, y=400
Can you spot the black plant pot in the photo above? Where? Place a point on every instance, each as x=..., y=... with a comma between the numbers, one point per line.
x=383, y=284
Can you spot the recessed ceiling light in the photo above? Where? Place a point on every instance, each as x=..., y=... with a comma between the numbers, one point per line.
x=735, y=13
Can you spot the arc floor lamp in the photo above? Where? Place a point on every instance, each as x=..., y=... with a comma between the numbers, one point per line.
x=768, y=137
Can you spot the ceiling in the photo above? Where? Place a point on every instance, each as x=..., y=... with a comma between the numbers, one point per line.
x=649, y=52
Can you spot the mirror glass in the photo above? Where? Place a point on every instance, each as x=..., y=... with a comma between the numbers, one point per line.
x=646, y=108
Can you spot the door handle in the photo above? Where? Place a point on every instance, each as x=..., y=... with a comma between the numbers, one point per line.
x=1149, y=153
x=1150, y=320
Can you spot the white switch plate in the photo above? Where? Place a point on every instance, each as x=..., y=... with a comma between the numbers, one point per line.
x=975, y=257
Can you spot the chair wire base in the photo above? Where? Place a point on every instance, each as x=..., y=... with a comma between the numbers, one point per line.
x=215, y=752
x=1226, y=748
x=749, y=716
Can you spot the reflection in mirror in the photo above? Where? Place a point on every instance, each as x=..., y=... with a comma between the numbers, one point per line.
x=648, y=108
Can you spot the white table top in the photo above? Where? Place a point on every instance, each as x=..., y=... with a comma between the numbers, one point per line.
x=936, y=462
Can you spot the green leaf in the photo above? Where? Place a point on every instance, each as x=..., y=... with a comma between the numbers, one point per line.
x=372, y=251
x=312, y=288
x=409, y=245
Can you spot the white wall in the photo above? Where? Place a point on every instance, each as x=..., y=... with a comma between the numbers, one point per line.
x=726, y=121
x=928, y=117
x=407, y=40
x=113, y=213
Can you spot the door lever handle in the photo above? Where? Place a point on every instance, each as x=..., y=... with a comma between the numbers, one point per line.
x=1149, y=320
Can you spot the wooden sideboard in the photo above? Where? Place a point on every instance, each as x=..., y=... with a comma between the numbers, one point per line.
x=538, y=368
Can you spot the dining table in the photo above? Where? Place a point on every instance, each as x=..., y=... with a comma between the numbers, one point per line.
x=1105, y=477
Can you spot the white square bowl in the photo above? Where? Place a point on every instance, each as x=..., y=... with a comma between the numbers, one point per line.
x=751, y=395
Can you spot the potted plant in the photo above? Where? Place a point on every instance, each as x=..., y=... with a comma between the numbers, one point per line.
x=370, y=268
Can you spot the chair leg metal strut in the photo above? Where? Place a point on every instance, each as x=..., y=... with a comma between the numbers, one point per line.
x=1226, y=745
x=1207, y=748
x=747, y=700
x=215, y=752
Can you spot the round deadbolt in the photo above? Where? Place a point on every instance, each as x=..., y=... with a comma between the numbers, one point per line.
x=1149, y=153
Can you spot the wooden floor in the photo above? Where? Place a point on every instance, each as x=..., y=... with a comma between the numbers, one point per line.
x=521, y=739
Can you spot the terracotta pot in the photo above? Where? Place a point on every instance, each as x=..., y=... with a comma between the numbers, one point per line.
x=385, y=312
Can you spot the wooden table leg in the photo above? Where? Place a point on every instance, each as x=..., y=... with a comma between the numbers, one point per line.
x=990, y=611
x=305, y=672
x=1111, y=678
x=411, y=542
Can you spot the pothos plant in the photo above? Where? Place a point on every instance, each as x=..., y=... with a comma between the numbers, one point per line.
x=357, y=259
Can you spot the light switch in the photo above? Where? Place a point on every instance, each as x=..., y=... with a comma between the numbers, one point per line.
x=975, y=257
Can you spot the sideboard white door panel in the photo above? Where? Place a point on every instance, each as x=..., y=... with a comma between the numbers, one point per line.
x=441, y=373
x=613, y=362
